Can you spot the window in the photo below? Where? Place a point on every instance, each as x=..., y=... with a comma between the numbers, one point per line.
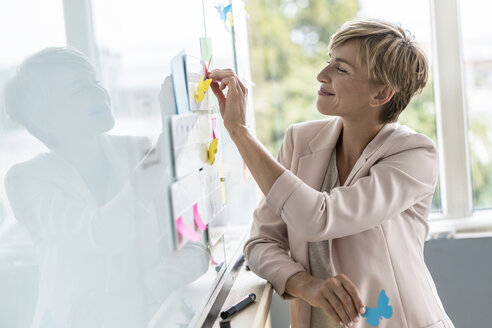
x=477, y=52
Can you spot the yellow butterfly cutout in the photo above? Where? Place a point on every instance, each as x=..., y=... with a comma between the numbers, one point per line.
x=212, y=150
x=202, y=88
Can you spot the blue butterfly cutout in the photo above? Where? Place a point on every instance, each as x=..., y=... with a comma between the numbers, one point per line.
x=382, y=310
x=223, y=11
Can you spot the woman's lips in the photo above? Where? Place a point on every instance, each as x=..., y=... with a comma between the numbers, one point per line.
x=323, y=92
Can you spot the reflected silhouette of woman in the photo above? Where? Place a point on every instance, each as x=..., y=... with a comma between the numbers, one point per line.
x=93, y=203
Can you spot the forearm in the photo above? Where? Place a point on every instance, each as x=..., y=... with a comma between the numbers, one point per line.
x=297, y=284
x=264, y=168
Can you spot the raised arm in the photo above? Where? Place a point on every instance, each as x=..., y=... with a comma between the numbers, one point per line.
x=268, y=246
x=393, y=185
x=47, y=208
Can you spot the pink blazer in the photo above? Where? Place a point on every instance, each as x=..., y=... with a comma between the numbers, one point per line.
x=376, y=223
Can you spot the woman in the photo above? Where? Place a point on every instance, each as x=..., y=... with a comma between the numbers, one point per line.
x=343, y=224
x=93, y=202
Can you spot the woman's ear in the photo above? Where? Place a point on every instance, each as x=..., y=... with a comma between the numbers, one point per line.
x=383, y=95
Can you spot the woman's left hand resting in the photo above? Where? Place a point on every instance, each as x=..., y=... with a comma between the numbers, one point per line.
x=264, y=168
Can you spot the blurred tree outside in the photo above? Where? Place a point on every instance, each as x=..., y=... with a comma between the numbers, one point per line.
x=288, y=48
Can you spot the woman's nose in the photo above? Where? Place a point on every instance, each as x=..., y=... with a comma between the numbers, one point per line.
x=100, y=92
x=324, y=76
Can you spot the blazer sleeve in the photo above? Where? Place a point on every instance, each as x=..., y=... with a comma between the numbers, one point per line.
x=394, y=184
x=267, y=249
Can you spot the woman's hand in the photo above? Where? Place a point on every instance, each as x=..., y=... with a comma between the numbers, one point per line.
x=338, y=296
x=232, y=106
x=262, y=165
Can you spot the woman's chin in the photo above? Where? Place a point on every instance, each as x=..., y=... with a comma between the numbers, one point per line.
x=323, y=109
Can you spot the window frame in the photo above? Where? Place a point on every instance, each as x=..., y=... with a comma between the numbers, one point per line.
x=457, y=212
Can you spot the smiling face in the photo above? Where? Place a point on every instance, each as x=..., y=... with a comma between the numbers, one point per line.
x=346, y=89
x=77, y=106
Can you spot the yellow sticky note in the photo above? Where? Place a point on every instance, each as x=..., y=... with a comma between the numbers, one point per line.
x=202, y=88
x=212, y=150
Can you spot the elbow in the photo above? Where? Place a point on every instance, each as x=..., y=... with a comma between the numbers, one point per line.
x=307, y=216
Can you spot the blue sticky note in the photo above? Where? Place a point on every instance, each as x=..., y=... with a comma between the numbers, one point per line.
x=383, y=309
x=180, y=83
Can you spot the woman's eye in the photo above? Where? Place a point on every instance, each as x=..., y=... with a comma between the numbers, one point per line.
x=341, y=70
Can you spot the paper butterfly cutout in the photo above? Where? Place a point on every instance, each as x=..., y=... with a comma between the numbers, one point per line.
x=202, y=88
x=383, y=309
x=212, y=150
x=224, y=12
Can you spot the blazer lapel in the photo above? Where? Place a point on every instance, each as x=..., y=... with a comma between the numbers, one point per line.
x=370, y=149
x=312, y=167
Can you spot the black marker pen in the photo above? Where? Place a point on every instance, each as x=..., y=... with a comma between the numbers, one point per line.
x=238, y=306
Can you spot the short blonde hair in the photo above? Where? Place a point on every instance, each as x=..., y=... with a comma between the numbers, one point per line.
x=393, y=58
x=27, y=90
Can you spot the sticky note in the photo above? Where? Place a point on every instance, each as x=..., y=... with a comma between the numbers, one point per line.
x=202, y=87
x=212, y=150
x=206, y=49
x=214, y=127
x=198, y=220
x=383, y=309
x=187, y=232
x=178, y=69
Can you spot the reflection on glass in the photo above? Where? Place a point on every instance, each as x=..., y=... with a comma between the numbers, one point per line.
x=93, y=204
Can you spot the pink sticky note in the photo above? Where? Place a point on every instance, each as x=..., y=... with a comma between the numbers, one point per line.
x=214, y=127
x=197, y=218
x=186, y=232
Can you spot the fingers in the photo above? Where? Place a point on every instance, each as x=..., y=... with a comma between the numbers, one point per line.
x=349, y=301
x=219, y=74
x=220, y=96
x=228, y=77
x=325, y=305
x=353, y=292
x=339, y=307
x=343, y=298
x=217, y=91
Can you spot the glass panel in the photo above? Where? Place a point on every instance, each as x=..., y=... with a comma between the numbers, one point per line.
x=25, y=27
x=477, y=52
x=90, y=224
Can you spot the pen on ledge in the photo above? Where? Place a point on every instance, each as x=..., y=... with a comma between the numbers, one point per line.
x=238, y=306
